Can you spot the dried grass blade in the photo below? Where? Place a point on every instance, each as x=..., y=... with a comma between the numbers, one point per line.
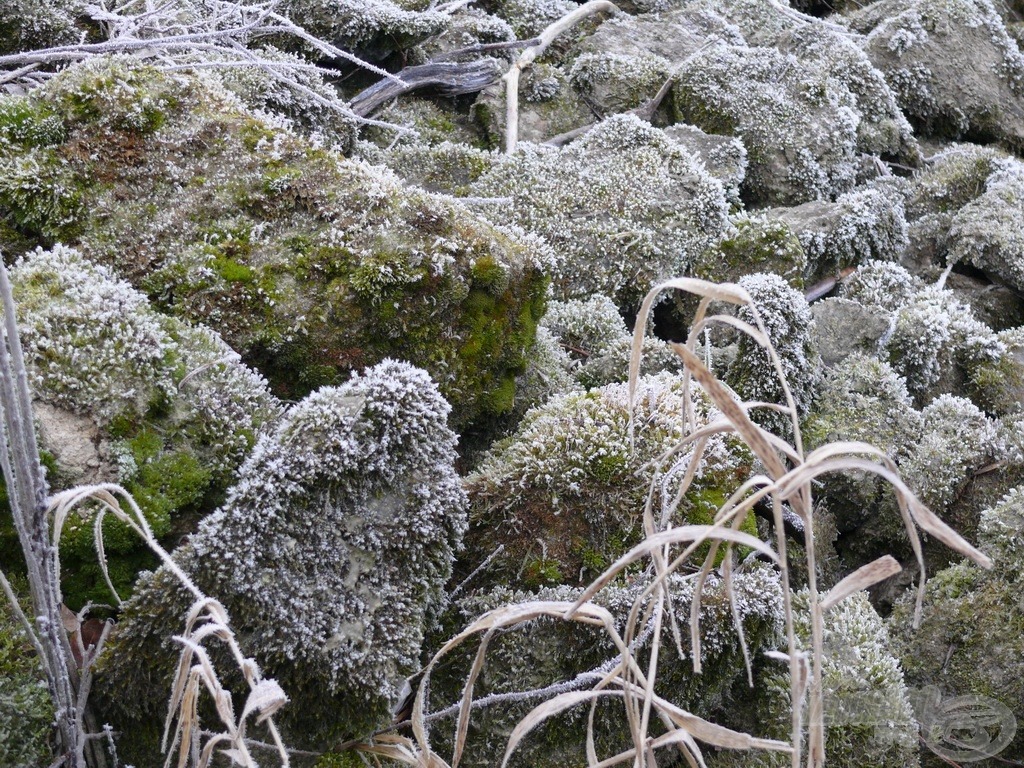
x=691, y=533
x=864, y=577
x=549, y=708
x=732, y=410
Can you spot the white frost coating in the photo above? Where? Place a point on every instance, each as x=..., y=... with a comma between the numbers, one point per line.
x=335, y=543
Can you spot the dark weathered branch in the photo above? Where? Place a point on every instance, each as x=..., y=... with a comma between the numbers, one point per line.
x=446, y=78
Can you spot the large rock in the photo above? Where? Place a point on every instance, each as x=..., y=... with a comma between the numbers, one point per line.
x=954, y=68
x=129, y=396
x=623, y=207
x=565, y=494
x=310, y=265
x=329, y=555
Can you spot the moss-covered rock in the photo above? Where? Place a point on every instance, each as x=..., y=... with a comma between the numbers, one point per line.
x=549, y=652
x=800, y=134
x=596, y=338
x=986, y=233
x=26, y=711
x=308, y=264
x=955, y=70
x=624, y=207
x=565, y=494
x=330, y=555
x=787, y=320
x=758, y=243
x=867, y=223
x=869, y=719
x=865, y=400
x=130, y=396
x=968, y=643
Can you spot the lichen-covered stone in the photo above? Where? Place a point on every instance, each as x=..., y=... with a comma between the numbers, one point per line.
x=624, y=207
x=955, y=70
x=308, y=264
x=565, y=494
x=868, y=715
x=329, y=554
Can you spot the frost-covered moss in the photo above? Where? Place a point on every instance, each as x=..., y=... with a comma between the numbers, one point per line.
x=130, y=396
x=378, y=26
x=565, y=494
x=624, y=206
x=595, y=336
x=758, y=244
x=29, y=24
x=868, y=715
x=329, y=555
x=308, y=264
x=883, y=284
x=787, y=320
x=26, y=711
x=955, y=70
x=800, y=133
x=867, y=223
x=969, y=641
x=987, y=233
x=548, y=651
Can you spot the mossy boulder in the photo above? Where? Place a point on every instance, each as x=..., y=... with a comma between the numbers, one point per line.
x=624, y=206
x=329, y=555
x=955, y=70
x=799, y=126
x=869, y=718
x=986, y=233
x=864, y=224
x=127, y=395
x=310, y=265
x=565, y=494
x=26, y=710
x=758, y=243
x=968, y=643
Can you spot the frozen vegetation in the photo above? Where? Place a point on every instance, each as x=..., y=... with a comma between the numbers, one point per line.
x=363, y=333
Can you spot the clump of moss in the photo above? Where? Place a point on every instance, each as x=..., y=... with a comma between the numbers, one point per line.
x=129, y=396
x=330, y=555
x=547, y=651
x=624, y=206
x=568, y=489
x=26, y=711
x=868, y=715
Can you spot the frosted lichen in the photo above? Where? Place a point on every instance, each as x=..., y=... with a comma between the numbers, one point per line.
x=624, y=205
x=330, y=554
